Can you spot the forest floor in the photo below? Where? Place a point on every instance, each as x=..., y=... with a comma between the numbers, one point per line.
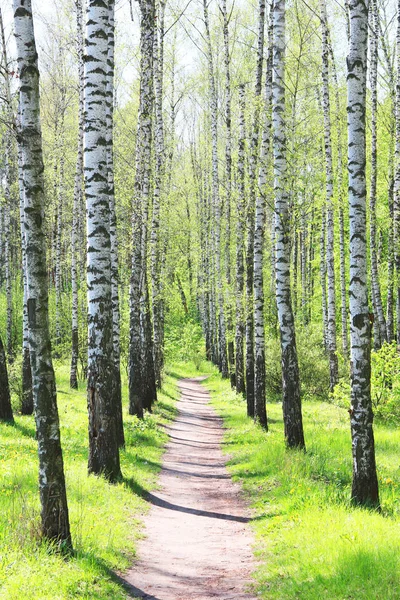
x=198, y=543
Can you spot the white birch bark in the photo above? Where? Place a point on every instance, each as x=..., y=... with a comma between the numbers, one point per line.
x=27, y=392
x=138, y=356
x=102, y=385
x=54, y=510
x=396, y=202
x=330, y=250
x=365, y=483
x=228, y=194
x=253, y=161
x=260, y=413
x=213, y=105
x=77, y=202
x=156, y=261
x=113, y=225
x=375, y=284
x=292, y=415
x=239, y=334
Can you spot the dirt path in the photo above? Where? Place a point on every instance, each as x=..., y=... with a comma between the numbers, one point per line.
x=198, y=545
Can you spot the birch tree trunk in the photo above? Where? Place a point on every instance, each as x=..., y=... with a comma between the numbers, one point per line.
x=365, y=483
x=73, y=378
x=376, y=288
x=228, y=195
x=292, y=415
x=54, y=509
x=390, y=259
x=6, y=413
x=27, y=392
x=7, y=245
x=137, y=383
x=222, y=349
x=330, y=250
x=113, y=226
x=156, y=261
x=340, y=164
x=260, y=413
x=239, y=335
x=250, y=222
x=102, y=384
x=396, y=201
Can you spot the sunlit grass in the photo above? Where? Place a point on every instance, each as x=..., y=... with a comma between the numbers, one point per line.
x=310, y=542
x=106, y=520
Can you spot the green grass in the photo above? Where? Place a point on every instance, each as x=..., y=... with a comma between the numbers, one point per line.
x=309, y=541
x=106, y=520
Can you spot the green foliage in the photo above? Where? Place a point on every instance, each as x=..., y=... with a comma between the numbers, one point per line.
x=385, y=385
x=310, y=542
x=313, y=364
x=185, y=343
x=15, y=382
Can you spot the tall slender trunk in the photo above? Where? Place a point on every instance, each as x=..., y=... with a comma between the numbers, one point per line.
x=102, y=384
x=156, y=261
x=73, y=377
x=59, y=227
x=54, y=509
x=250, y=217
x=27, y=391
x=8, y=179
x=342, y=244
x=7, y=245
x=330, y=250
x=113, y=227
x=6, y=413
x=396, y=201
x=138, y=355
x=228, y=196
x=376, y=288
x=292, y=415
x=365, y=482
x=239, y=334
x=390, y=257
x=260, y=413
x=222, y=347
x=322, y=271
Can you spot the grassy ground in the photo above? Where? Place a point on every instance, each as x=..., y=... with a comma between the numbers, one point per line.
x=105, y=519
x=310, y=542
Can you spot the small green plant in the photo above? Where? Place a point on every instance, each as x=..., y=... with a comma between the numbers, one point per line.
x=385, y=382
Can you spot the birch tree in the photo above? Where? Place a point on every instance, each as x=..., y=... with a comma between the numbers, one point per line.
x=228, y=192
x=54, y=509
x=330, y=250
x=156, y=247
x=375, y=284
x=138, y=293
x=6, y=413
x=253, y=162
x=365, y=483
x=213, y=104
x=239, y=288
x=292, y=416
x=102, y=384
x=260, y=209
x=78, y=184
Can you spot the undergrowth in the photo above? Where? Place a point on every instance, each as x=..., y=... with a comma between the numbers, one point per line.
x=309, y=541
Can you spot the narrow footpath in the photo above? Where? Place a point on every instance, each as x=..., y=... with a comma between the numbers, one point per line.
x=198, y=541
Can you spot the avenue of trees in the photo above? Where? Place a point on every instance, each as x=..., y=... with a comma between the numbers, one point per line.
x=221, y=165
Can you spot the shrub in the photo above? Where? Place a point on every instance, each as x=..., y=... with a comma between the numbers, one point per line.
x=313, y=364
x=385, y=385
